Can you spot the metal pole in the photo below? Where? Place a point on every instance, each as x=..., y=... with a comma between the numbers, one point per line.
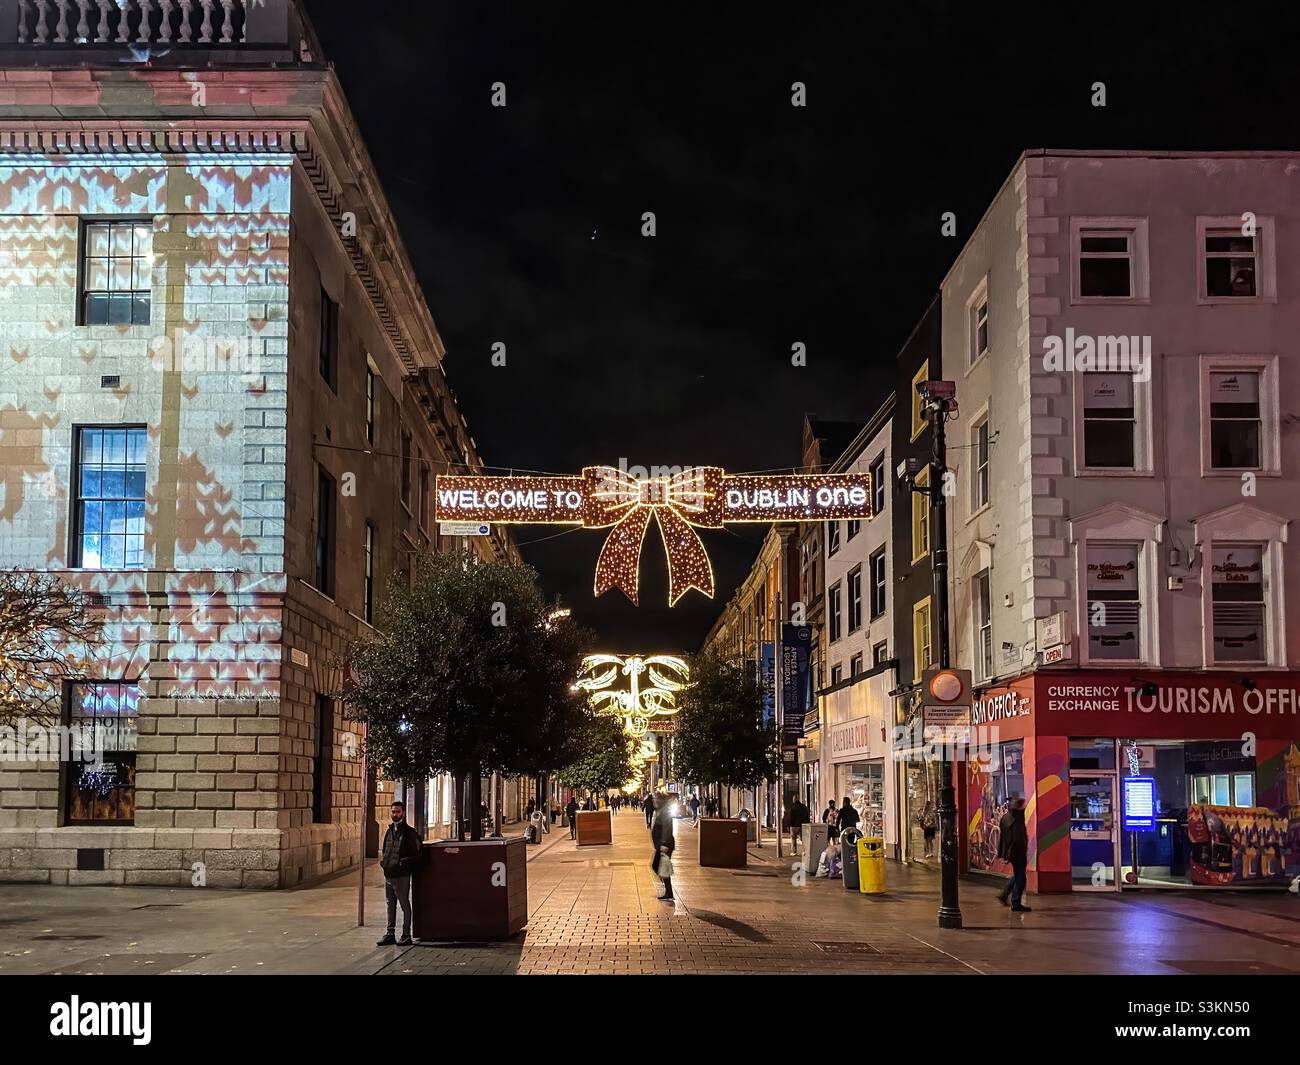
x=366, y=800
x=777, y=664
x=949, y=907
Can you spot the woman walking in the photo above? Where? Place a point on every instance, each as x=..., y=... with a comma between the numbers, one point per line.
x=661, y=833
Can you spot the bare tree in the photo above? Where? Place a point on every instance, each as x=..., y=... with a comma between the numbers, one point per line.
x=46, y=630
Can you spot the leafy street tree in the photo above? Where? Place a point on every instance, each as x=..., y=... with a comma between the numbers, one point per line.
x=46, y=634
x=720, y=736
x=605, y=756
x=469, y=673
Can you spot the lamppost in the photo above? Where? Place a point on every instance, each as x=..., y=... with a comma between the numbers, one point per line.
x=938, y=400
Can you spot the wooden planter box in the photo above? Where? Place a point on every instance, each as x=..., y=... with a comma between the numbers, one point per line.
x=594, y=826
x=722, y=843
x=459, y=895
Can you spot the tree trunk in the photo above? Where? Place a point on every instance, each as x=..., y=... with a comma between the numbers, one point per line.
x=475, y=801
x=462, y=804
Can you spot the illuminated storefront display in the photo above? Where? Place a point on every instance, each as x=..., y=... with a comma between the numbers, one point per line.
x=1158, y=780
x=605, y=497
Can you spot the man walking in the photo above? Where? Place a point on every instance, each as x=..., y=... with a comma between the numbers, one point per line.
x=800, y=815
x=571, y=812
x=398, y=859
x=694, y=804
x=661, y=834
x=1013, y=847
x=648, y=806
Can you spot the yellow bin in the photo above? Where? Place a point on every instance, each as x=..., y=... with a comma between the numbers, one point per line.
x=871, y=865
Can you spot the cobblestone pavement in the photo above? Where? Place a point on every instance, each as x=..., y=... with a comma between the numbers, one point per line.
x=594, y=910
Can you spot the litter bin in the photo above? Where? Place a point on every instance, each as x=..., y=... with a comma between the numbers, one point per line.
x=871, y=865
x=849, y=856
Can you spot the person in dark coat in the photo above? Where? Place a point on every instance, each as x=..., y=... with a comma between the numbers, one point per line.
x=799, y=816
x=398, y=858
x=847, y=817
x=661, y=834
x=1013, y=847
x=571, y=812
x=648, y=805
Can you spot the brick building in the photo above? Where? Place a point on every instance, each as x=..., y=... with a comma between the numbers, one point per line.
x=222, y=407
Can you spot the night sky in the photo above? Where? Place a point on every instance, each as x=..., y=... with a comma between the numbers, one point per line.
x=776, y=224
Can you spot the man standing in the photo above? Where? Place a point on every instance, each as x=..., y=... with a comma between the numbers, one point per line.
x=398, y=859
x=1013, y=846
x=800, y=815
x=571, y=812
x=648, y=805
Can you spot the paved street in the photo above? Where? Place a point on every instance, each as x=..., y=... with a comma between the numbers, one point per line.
x=594, y=910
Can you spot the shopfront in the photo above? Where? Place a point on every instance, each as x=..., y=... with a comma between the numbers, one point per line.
x=1162, y=780
x=855, y=755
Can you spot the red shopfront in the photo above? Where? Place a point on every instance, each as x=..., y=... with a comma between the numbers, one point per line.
x=1215, y=756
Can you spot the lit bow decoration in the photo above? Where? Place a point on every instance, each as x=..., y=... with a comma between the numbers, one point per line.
x=690, y=498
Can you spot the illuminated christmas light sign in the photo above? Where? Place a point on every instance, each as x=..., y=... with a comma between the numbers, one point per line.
x=649, y=691
x=605, y=497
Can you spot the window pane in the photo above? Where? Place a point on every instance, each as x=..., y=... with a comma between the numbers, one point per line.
x=96, y=310
x=1243, y=789
x=1221, y=797
x=97, y=274
x=1110, y=242
x=1108, y=444
x=1104, y=277
x=119, y=310
x=97, y=239
x=1234, y=445
x=121, y=244
x=140, y=310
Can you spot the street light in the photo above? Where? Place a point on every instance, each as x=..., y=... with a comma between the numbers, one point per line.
x=938, y=401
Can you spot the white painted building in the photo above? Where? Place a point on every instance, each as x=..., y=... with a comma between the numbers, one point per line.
x=855, y=709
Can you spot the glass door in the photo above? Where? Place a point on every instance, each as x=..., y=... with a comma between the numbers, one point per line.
x=1093, y=831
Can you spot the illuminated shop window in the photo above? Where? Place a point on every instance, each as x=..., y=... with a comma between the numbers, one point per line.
x=116, y=272
x=100, y=774
x=110, y=497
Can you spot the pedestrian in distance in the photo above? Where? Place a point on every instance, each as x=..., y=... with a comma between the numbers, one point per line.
x=929, y=821
x=398, y=858
x=799, y=816
x=846, y=817
x=648, y=806
x=661, y=834
x=694, y=804
x=1013, y=847
x=831, y=819
x=571, y=812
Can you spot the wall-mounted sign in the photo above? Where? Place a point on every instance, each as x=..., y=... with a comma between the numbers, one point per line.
x=1050, y=631
x=1056, y=654
x=465, y=528
x=1140, y=804
x=604, y=497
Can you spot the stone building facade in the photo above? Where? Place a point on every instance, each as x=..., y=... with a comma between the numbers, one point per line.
x=221, y=412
